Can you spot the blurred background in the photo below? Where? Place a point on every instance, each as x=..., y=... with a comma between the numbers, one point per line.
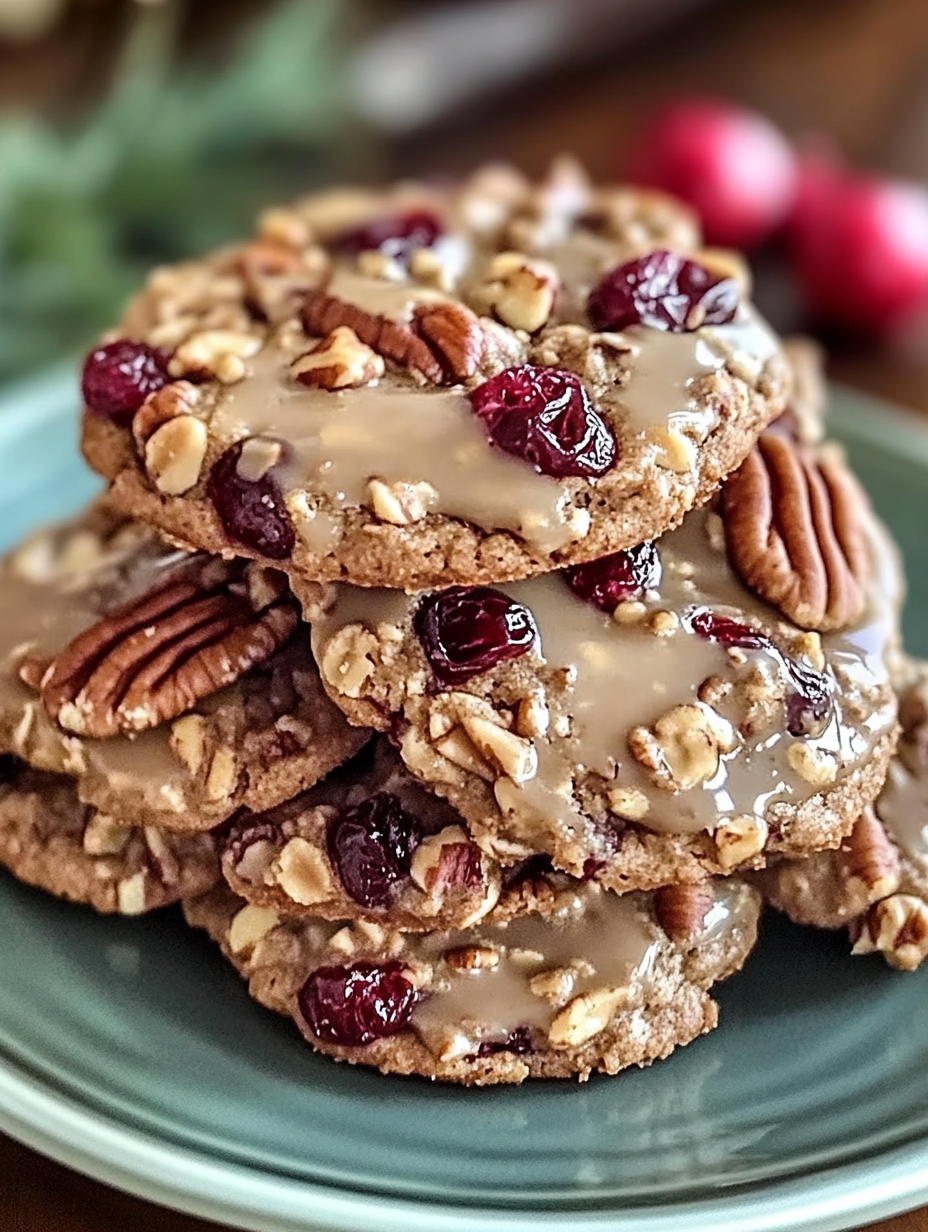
x=133, y=133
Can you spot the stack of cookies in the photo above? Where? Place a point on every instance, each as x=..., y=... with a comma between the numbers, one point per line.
x=473, y=609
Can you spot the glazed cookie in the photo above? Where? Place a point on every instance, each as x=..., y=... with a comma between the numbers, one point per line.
x=368, y=843
x=414, y=388
x=876, y=884
x=175, y=688
x=649, y=718
x=594, y=982
x=50, y=840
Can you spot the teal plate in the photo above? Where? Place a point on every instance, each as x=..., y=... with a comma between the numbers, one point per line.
x=130, y=1051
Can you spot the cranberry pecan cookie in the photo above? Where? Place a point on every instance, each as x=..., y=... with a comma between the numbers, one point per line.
x=175, y=688
x=417, y=387
x=368, y=843
x=644, y=718
x=556, y=987
x=876, y=883
x=49, y=839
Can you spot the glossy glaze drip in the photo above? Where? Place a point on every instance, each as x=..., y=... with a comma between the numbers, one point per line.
x=614, y=677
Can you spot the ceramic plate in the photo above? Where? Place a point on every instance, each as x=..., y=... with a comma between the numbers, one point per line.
x=130, y=1051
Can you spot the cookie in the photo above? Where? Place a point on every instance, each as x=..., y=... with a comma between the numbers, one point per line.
x=594, y=982
x=418, y=387
x=368, y=843
x=648, y=718
x=49, y=839
x=175, y=688
x=876, y=883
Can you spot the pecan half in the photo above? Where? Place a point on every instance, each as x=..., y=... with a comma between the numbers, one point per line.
x=455, y=336
x=155, y=657
x=323, y=312
x=869, y=857
x=794, y=529
x=444, y=342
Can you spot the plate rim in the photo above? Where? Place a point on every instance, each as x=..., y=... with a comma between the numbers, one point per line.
x=99, y=1145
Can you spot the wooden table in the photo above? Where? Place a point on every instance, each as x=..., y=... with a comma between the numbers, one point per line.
x=854, y=69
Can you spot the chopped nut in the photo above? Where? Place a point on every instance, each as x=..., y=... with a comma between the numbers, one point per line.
x=220, y=781
x=340, y=361
x=426, y=865
x=104, y=836
x=130, y=894
x=259, y=455
x=461, y=751
x=174, y=454
x=283, y=226
x=515, y=756
x=532, y=717
x=629, y=612
x=472, y=958
x=302, y=873
x=664, y=623
x=554, y=986
x=809, y=644
x=374, y=934
x=869, y=857
x=684, y=746
x=218, y=353
x=628, y=803
x=248, y=927
x=739, y=838
x=347, y=659
x=440, y=724
x=815, y=766
x=675, y=452
x=173, y=401
x=265, y=586
x=187, y=740
x=585, y=1016
x=520, y=290
x=401, y=503
x=343, y=942
x=715, y=532
x=897, y=927
x=681, y=910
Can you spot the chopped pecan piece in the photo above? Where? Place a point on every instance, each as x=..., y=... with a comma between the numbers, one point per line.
x=154, y=658
x=444, y=342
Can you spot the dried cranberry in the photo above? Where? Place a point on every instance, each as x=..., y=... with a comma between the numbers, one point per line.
x=623, y=575
x=357, y=1003
x=466, y=630
x=394, y=234
x=808, y=708
x=808, y=704
x=251, y=510
x=544, y=416
x=728, y=632
x=663, y=291
x=592, y=866
x=371, y=847
x=518, y=1041
x=119, y=376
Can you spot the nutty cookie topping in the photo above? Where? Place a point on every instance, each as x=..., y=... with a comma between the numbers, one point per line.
x=579, y=987
x=175, y=688
x=688, y=706
x=369, y=843
x=456, y=356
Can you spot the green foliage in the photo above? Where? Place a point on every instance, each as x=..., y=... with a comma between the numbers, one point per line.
x=169, y=164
